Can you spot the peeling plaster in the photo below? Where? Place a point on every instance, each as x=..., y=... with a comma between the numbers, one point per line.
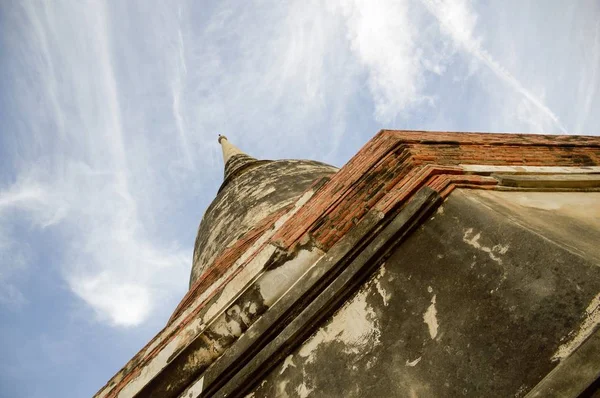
x=355, y=325
x=252, y=308
x=429, y=317
x=385, y=296
x=237, y=285
x=274, y=283
x=493, y=252
x=303, y=391
x=590, y=323
x=232, y=289
x=202, y=356
x=289, y=361
x=194, y=390
x=281, y=393
x=227, y=328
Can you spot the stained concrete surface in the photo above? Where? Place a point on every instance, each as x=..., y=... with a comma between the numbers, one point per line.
x=484, y=299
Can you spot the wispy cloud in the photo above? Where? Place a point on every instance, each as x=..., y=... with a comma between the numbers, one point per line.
x=589, y=81
x=28, y=200
x=384, y=39
x=179, y=73
x=117, y=105
x=113, y=259
x=458, y=20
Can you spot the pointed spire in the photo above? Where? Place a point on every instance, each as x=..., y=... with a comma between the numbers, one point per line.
x=229, y=150
x=233, y=158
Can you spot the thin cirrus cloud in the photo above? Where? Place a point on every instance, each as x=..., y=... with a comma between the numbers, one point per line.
x=25, y=199
x=111, y=260
x=116, y=106
x=457, y=20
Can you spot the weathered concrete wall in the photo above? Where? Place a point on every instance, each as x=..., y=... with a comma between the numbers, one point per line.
x=248, y=199
x=569, y=219
x=485, y=299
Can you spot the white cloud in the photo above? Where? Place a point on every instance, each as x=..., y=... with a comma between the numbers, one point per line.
x=126, y=304
x=83, y=172
x=384, y=40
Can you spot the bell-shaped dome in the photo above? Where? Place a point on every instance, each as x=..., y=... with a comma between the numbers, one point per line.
x=252, y=192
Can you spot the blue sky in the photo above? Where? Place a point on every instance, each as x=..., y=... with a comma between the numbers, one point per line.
x=110, y=112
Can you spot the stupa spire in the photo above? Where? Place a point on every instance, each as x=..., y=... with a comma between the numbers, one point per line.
x=234, y=159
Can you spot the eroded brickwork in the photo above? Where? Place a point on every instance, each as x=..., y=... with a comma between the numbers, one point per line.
x=392, y=166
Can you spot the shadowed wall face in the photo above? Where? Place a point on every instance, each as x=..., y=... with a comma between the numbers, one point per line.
x=484, y=299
